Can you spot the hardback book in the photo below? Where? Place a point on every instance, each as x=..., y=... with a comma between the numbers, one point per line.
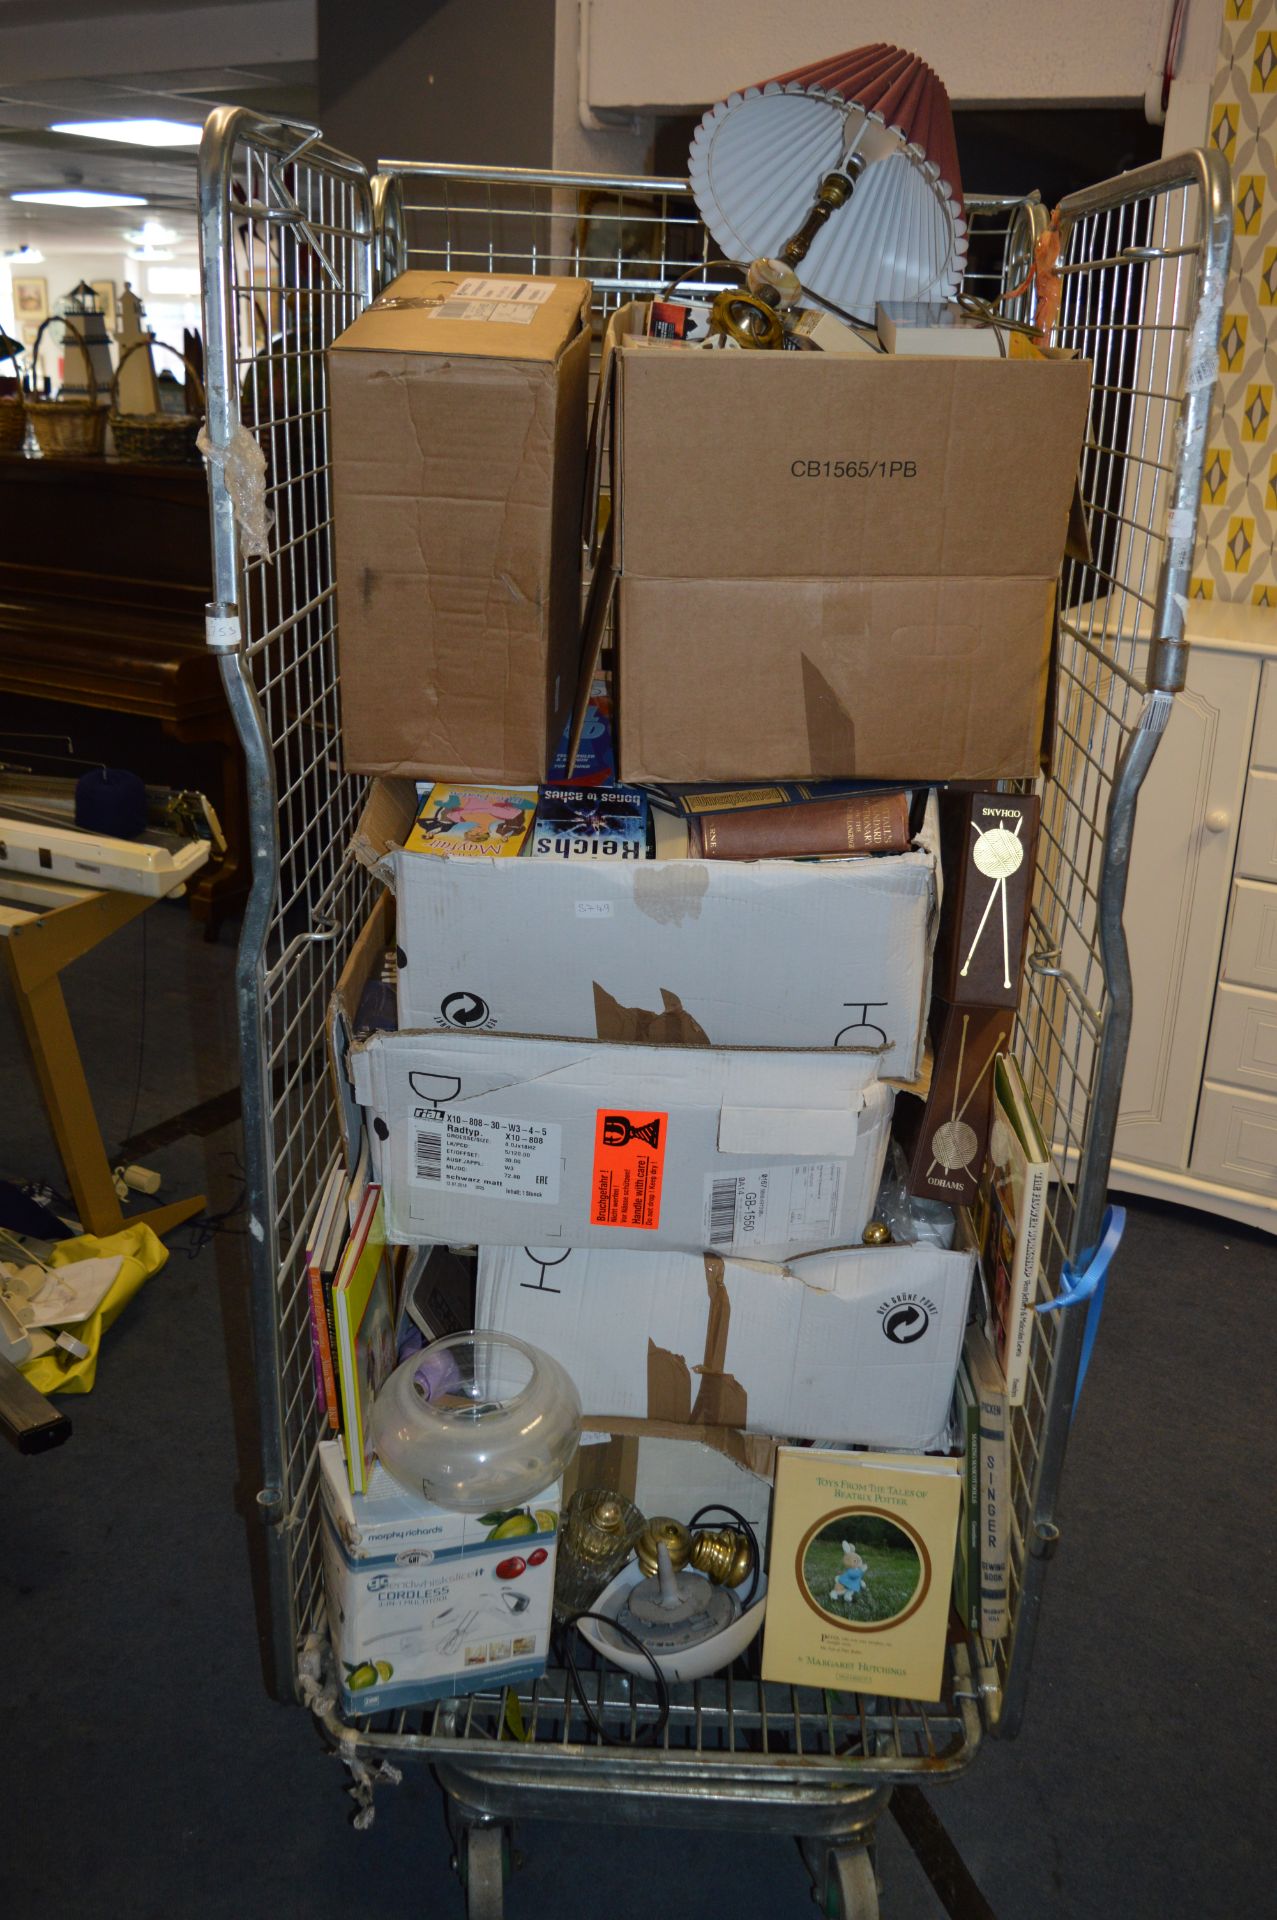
x=861, y=1557
x=966, y=1560
x=593, y=823
x=771, y=793
x=988, y=853
x=320, y=1232
x=984, y=1391
x=466, y=822
x=1016, y=1182
x=861, y=823
x=945, y=1134
x=364, y=1308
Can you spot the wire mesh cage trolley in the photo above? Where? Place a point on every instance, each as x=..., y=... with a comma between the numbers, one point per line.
x=296, y=239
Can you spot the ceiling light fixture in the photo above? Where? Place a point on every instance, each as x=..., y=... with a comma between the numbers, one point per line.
x=78, y=197
x=135, y=133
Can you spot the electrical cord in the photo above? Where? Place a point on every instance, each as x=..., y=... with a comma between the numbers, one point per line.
x=662, y=1689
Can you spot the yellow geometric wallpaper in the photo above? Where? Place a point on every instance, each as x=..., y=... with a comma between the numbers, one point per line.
x=1237, y=533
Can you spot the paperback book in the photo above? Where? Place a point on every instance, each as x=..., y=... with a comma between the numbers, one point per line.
x=596, y=823
x=1014, y=1195
x=468, y=822
x=364, y=1308
x=862, y=1549
x=322, y=1261
x=984, y=1533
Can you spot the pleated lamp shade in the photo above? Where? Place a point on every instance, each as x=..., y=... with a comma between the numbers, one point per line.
x=757, y=160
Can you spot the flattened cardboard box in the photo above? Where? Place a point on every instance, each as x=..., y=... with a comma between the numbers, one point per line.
x=869, y=571
x=859, y=1346
x=781, y=953
x=458, y=430
x=506, y=1141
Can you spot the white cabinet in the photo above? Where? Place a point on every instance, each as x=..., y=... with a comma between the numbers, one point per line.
x=1198, y=1120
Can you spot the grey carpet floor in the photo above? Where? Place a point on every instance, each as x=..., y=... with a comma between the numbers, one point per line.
x=148, y=1773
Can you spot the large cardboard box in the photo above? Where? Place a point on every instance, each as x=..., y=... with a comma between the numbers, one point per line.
x=783, y=953
x=490, y=1139
x=859, y=578
x=458, y=409
x=859, y=1346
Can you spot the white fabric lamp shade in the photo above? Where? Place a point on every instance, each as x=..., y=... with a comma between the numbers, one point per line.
x=758, y=158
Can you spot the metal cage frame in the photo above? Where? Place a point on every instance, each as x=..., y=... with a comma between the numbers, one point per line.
x=295, y=240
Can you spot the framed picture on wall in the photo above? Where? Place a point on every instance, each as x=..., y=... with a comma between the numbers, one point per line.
x=105, y=291
x=30, y=297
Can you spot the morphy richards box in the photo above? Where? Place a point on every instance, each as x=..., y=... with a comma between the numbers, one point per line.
x=458, y=410
x=859, y=1346
x=786, y=953
x=862, y=580
x=486, y=1138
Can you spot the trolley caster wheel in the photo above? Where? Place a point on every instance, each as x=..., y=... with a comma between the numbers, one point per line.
x=483, y=1867
x=847, y=1887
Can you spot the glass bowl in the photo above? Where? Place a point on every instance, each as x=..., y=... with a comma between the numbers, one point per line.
x=479, y=1422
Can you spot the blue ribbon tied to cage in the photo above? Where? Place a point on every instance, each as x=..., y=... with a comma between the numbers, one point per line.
x=1082, y=1283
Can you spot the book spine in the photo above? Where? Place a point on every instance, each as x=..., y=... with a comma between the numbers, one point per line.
x=993, y=1495
x=348, y=1370
x=969, y=1602
x=321, y=1352
x=1028, y=1252
x=857, y=824
x=330, y=1329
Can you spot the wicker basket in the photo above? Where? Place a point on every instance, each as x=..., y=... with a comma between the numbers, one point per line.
x=67, y=429
x=166, y=439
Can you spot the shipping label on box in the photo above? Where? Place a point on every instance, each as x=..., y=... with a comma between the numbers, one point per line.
x=508, y=1141
x=423, y=1602
x=783, y=953
x=860, y=1346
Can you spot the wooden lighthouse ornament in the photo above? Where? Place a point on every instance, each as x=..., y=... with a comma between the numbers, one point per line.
x=139, y=392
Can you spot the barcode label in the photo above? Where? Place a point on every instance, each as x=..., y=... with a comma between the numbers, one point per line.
x=534, y=292
x=505, y=313
x=722, y=1213
x=783, y=1208
x=491, y=1155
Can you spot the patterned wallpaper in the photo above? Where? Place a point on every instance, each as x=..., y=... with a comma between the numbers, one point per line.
x=1237, y=545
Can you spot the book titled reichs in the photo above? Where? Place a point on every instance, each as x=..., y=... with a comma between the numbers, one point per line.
x=595, y=823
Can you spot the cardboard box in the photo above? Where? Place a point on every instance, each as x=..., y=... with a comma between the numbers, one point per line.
x=416, y=1606
x=498, y=1140
x=666, y=1469
x=861, y=581
x=787, y=953
x=859, y=1346
x=458, y=409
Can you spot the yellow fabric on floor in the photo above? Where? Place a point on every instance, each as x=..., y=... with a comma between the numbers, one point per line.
x=143, y=1255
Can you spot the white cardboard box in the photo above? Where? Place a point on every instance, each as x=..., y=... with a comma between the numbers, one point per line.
x=421, y=1603
x=493, y=1140
x=778, y=953
x=859, y=1346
